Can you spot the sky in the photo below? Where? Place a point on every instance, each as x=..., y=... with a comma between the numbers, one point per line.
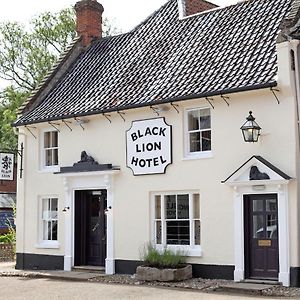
x=126, y=14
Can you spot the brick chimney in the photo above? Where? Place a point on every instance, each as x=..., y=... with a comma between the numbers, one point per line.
x=191, y=7
x=89, y=20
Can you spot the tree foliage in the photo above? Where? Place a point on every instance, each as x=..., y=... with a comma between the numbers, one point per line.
x=26, y=55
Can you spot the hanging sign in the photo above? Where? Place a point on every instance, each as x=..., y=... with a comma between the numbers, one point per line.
x=6, y=166
x=149, y=148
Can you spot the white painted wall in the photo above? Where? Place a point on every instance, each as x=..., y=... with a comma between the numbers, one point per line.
x=106, y=143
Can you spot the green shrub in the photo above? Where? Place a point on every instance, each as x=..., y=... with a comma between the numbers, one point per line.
x=162, y=259
x=8, y=238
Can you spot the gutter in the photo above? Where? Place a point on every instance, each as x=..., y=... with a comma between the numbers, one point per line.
x=159, y=102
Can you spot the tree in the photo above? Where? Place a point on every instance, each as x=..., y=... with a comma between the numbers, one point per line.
x=26, y=55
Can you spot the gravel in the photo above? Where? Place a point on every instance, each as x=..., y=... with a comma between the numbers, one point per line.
x=204, y=285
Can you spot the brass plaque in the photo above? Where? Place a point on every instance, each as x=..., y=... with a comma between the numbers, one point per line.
x=264, y=243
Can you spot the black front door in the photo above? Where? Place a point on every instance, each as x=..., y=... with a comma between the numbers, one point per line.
x=261, y=236
x=90, y=227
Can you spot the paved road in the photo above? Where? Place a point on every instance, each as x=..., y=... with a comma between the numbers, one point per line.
x=14, y=288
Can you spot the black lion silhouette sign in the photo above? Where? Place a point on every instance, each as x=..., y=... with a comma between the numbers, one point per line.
x=255, y=174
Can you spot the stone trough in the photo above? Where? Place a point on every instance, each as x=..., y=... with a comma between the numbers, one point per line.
x=145, y=273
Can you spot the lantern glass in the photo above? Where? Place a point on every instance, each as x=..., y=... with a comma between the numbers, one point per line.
x=250, y=129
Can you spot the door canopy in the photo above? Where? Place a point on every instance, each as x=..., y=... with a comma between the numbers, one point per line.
x=256, y=171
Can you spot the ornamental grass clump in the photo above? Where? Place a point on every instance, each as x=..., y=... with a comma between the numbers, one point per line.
x=165, y=259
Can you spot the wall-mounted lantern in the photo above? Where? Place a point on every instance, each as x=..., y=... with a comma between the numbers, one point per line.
x=250, y=129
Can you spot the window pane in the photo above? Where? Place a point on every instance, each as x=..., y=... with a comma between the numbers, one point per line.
x=258, y=227
x=158, y=232
x=54, y=230
x=183, y=206
x=178, y=232
x=157, y=207
x=45, y=209
x=272, y=230
x=195, y=145
x=206, y=140
x=197, y=232
x=55, y=157
x=48, y=157
x=271, y=205
x=205, y=118
x=193, y=120
x=54, y=139
x=170, y=205
x=258, y=205
x=45, y=230
x=47, y=139
x=54, y=208
x=196, y=206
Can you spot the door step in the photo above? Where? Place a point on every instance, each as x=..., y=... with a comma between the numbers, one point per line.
x=89, y=269
x=245, y=288
x=262, y=281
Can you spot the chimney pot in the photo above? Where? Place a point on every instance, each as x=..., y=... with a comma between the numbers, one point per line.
x=89, y=20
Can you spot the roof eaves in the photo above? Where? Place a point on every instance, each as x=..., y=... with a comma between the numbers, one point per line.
x=158, y=102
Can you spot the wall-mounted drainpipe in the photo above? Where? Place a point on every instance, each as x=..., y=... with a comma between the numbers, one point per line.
x=295, y=62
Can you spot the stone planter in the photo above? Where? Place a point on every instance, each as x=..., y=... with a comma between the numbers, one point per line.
x=145, y=273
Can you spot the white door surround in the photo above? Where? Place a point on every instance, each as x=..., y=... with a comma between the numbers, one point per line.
x=97, y=180
x=277, y=184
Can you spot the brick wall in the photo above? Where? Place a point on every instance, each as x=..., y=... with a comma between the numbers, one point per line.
x=9, y=186
x=7, y=252
x=195, y=6
x=88, y=20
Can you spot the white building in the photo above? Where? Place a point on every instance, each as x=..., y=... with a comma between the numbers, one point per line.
x=158, y=113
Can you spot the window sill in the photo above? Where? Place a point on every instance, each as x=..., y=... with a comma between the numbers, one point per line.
x=47, y=245
x=200, y=155
x=191, y=251
x=49, y=169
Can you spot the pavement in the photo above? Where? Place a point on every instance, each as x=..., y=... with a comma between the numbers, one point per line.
x=7, y=270
x=18, y=288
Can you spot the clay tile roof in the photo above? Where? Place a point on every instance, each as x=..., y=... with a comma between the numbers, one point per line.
x=165, y=59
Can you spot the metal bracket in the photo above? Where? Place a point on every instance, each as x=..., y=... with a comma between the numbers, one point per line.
x=66, y=123
x=175, y=106
x=54, y=126
x=273, y=92
x=107, y=117
x=154, y=109
x=78, y=121
x=121, y=115
x=209, y=101
x=20, y=153
x=225, y=98
x=28, y=128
